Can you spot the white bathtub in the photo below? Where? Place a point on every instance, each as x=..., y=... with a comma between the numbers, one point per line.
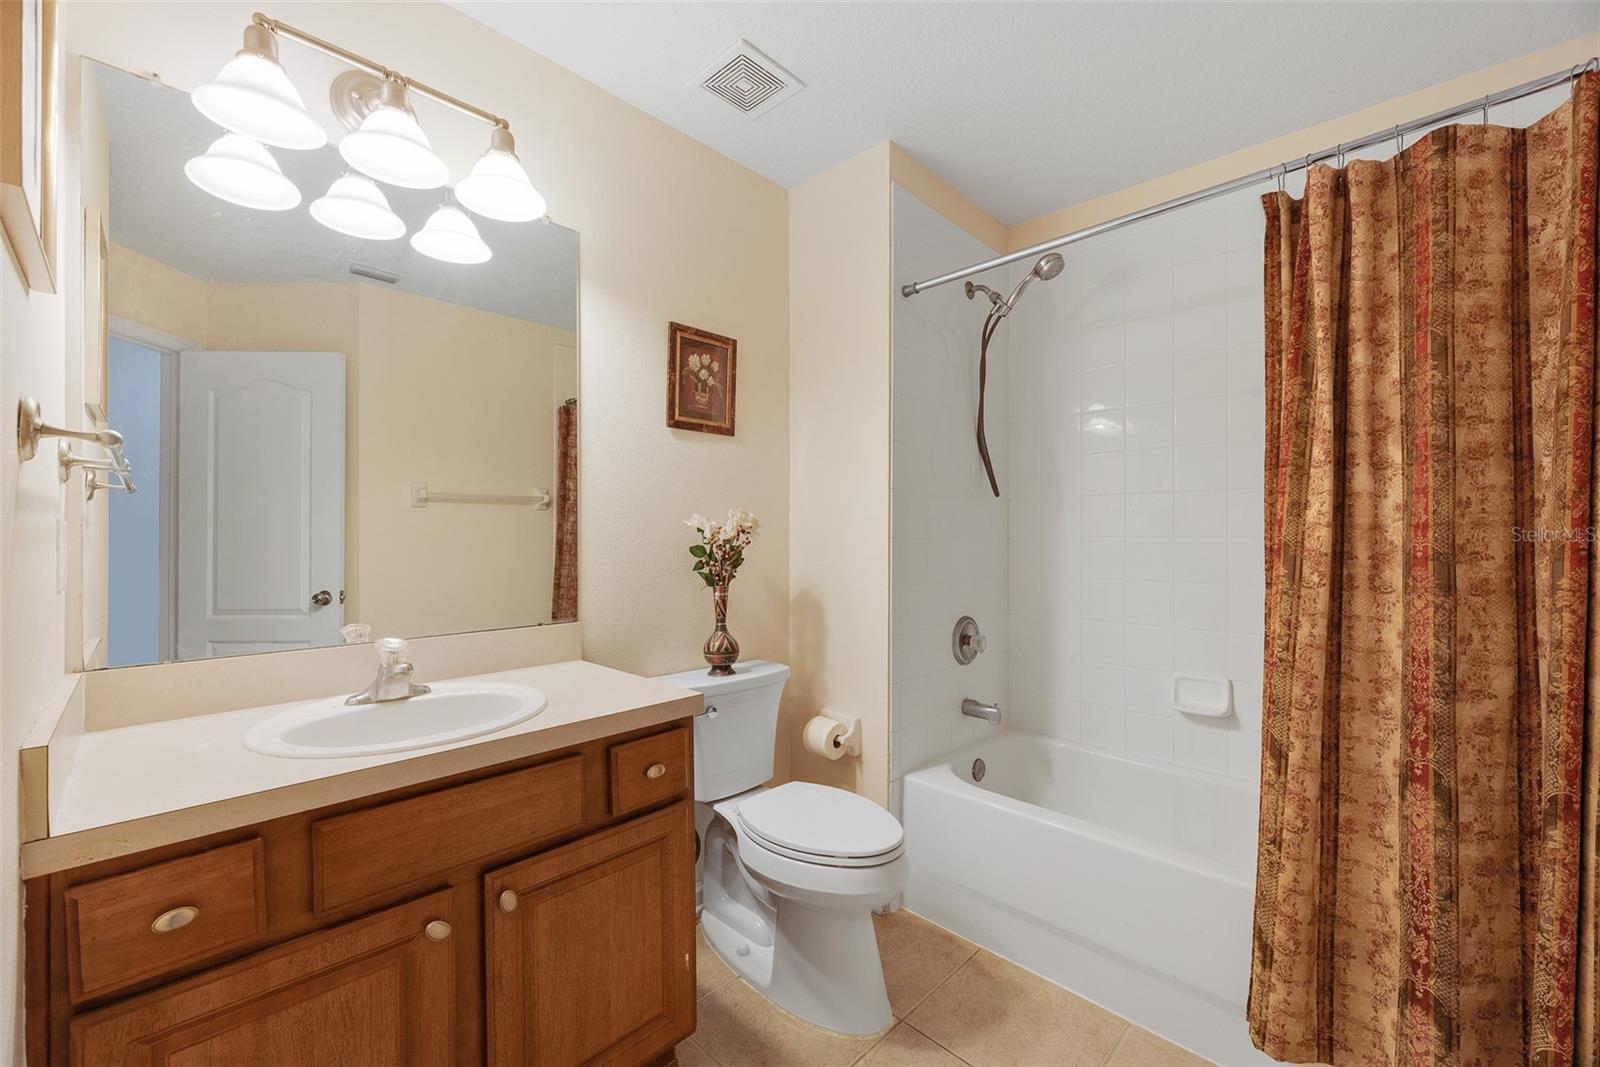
x=1128, y=882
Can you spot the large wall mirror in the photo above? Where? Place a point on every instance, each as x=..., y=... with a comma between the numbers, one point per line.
x=333, y=439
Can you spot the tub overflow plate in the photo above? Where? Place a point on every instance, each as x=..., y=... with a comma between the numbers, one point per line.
x=978, y=770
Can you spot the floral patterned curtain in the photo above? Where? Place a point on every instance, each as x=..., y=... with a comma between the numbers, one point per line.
x=564, y=587
x=1426, y=877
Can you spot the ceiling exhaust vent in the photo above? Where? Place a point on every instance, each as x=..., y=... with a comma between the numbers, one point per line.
x=377, y=274
x=749, y=79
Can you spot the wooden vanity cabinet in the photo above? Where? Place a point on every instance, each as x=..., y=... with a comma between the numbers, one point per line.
x=540, y=911
x=586, y=962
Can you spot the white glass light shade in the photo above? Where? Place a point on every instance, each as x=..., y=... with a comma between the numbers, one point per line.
x=449, y=235
x=356, y=207
x=498, y=187
x=391, y=147
x=252, y=95
x=240, y=171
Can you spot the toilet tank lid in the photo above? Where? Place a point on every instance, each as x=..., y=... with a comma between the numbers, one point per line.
x=748, y=675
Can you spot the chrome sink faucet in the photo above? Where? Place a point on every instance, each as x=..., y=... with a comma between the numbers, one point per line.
x=979, y=710
x=394, y=676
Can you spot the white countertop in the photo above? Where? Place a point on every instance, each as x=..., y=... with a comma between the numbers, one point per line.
x=130, y=788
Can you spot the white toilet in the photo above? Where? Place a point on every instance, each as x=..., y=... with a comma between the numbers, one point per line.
x=789, y=876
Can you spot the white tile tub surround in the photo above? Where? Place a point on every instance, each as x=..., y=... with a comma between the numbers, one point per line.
x=948, y=555
x=1135, y=526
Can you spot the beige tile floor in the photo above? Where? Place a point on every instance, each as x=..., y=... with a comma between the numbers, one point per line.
x=954, y=1005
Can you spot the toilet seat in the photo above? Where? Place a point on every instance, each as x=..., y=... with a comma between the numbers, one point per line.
x=822, y=825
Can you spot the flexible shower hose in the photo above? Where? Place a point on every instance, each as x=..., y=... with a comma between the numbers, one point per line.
x=990, y=324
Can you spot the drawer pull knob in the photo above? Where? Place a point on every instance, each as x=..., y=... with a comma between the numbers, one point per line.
x=437, y=930
x=176, y=919
x=656, y=770
x=508, y=901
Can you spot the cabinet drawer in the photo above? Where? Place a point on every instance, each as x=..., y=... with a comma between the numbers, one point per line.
x=649, y=770
x=138, y=925
x=364, y=853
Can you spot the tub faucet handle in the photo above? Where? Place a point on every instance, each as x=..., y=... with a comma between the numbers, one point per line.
x=967, y=641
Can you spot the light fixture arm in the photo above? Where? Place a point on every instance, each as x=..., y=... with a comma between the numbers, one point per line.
x=355, y=59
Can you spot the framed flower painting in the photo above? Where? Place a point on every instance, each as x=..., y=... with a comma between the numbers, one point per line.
x=700, y=379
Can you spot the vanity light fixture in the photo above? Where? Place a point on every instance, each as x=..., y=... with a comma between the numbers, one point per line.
x=243, y=172
x=498, y=187
x=389, y=143
x=253, y=96
x=356, y=207
x=450, y=236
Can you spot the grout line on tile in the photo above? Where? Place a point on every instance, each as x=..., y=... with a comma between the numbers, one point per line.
x=881, y=1039
x=964, y=961
x=703, y=1050
x=976, y=948
x=1126, y=1030
x=936, y=1041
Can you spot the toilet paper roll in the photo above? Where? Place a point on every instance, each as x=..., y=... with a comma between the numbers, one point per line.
x=824, y=736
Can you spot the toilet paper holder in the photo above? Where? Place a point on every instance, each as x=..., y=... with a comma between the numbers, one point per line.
x=849, y=742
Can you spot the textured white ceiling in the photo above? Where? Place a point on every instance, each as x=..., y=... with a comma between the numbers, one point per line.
x=1026, y=107
x=157, y=211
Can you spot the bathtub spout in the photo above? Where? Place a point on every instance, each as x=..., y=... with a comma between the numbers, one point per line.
x=979, y=710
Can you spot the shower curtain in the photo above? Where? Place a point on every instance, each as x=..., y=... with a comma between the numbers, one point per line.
x=1426, y=875
x=564, y=586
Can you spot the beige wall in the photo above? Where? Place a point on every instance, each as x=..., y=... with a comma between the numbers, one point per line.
x=839, y=327
x=464, y=402
x=149, y=292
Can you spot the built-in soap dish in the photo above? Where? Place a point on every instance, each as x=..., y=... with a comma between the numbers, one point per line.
x=1208, y=698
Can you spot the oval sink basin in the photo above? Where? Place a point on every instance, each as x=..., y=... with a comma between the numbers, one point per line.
x=454, y=711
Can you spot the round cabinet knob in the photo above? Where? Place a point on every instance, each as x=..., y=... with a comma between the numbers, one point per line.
x=437, y=930
x=508, y=901
x=655, y=770
x=175, y=919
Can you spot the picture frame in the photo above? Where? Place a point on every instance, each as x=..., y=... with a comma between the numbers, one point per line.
x=27, y=136
x=702, y=379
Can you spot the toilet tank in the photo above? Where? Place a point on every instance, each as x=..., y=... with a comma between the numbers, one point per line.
x=737, y=733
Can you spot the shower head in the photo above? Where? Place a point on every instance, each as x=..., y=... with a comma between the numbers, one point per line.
x=1048, y=267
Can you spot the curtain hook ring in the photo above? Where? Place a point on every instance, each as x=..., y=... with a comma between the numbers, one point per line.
x=1339, y=154
x=1283, y=171
x=1399, y=141
x=1486, y=111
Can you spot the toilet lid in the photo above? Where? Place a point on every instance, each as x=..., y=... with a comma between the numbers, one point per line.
x=819, y=820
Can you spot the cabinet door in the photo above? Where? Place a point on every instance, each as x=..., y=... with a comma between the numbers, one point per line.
x=377, y=991
x=590, y=947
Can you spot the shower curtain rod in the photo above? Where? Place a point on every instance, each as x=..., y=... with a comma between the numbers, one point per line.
x=1278, y=171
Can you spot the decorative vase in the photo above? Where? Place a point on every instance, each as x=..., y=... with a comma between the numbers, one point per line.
x=721, y=650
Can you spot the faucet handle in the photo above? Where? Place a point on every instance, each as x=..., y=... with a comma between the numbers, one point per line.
x=392, y=650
